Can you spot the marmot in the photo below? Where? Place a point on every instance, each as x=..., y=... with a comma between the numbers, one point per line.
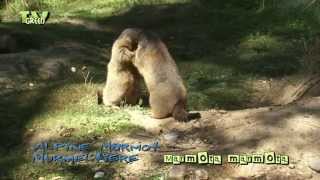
x=123, y=78
x=168, y=95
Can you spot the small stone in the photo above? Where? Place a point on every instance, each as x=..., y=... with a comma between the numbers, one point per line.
x=31, y=84
x=73, y=69
x=201, y=174
x=177, y=172
x=41, y=178
x=170, y=137
x=98, y=174
x=315, y=165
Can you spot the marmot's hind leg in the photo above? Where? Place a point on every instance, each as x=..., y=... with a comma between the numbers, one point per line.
x=179, y=112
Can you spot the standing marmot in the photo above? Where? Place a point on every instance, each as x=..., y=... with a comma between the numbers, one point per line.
x=159, y=70
x=123, y=78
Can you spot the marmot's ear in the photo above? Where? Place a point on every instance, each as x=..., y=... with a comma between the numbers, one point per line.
x=134, y=45
x=130, y=44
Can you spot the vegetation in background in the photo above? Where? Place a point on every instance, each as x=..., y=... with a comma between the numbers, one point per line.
x=78, y=8
x=220, y=48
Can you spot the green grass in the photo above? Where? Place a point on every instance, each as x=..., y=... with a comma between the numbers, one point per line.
x=81, y=111
x=79, y=8
x=205, y=80
x=66, y=114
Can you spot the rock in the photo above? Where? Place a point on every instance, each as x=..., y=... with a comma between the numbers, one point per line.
x=177, y=172
x=314, y=164
x=201, y=174
x=99, y=174
x=41, y=178
x=51, y=70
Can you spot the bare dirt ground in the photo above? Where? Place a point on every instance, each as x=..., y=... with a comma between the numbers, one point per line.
x=292, y=130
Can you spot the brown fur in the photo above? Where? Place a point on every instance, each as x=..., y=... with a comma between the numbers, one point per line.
x=123, y=78
x=159, y=70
